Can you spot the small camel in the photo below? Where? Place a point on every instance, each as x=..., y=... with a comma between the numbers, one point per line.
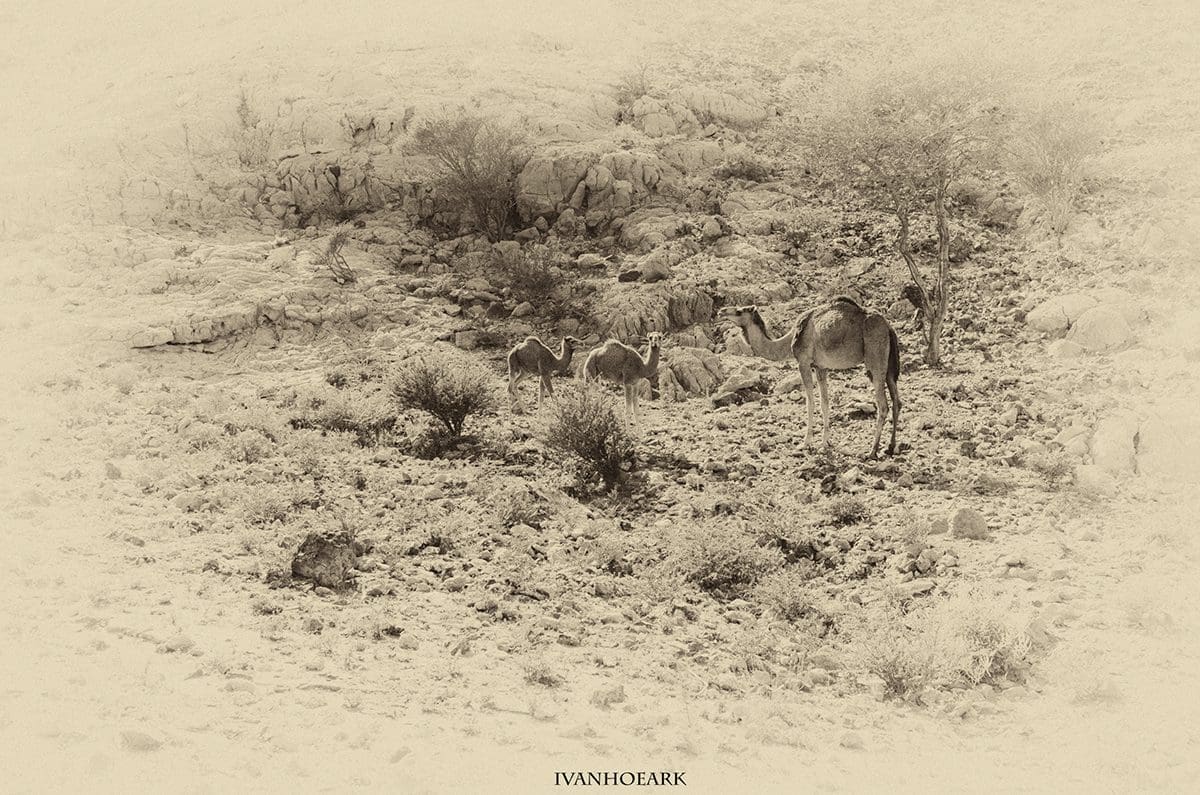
x=532, y=357
x=836, y=336
x=622, y=364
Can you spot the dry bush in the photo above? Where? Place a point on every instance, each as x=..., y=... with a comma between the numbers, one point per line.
x=584, y=426
x=544, y=675
x=742, y=162
x=478, y=160
x=515, y=504
x=847, y=509
x=1049, y=153
x=980, y=639
x=725, y=560
x=1054, y=467
x=249, y=446
x=787, y=592
x=901, y=657
x=631, y=85
x=449, y=392
x=533, y=273
x=332, y=258
x=251, y=139
x=369, y=417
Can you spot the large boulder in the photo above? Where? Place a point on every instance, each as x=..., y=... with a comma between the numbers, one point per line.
x=710, y=105
x=595, y=184
x=1056, y=315
x=1100, y=329
x=633, y=311
x=327, y=557
x=689, y=371
x=659, y=117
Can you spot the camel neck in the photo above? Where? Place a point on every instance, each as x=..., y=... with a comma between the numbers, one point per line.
x=773, y=349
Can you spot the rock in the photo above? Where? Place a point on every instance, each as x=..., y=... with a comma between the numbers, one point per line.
x=711, y=230
x=1100, y=329
x=708, y=104
x=1058, y=314
x=655, y=268
x=915, y=587
x=590, y=260
x=657, y=117
x=685, y=372
x=606, y=697
x=851, y=740
x=1065, y=349
x=151, y=337
x=790, y=384
x=528, y=235
x=969, y=523
x=326, y=558
x=1114, y=444
x=1094, y=481
x=455, y=584
x=177, y=645
x=139, y=741
x=522, y=309
x=111, y=471
x=631, y=275
x=467, y=340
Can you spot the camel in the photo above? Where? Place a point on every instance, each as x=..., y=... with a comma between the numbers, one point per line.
x=836, y=336
x=532, y=357
x=622, y=364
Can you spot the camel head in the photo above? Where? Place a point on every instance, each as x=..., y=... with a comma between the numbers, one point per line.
x=573, y=343
x=654, y=340
x=744, y=317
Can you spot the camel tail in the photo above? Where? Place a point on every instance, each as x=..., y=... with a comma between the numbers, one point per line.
x=893, y=356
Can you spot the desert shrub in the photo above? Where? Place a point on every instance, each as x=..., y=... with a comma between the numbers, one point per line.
x=371, y=419
x=725, y=560
x=532, y=273
x=787, y=592
x=251, y=138
x=584, y=426
x=631, y=85
x=450, y=393
x=249, y=446
x=902, y=657
x=516, y=504
x=331, y=258
x=742, y=162
x=478, y=160
x=267, y=504
x=544, y=675
x=980, y=639
x=847, y=509
x=804, y=226
x=1049, y=152
x=1054, y=467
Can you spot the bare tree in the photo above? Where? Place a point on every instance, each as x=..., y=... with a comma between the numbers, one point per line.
x=901, y=136
x=478, y=160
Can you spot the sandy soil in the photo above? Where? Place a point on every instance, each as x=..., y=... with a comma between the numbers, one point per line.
x=132, y=665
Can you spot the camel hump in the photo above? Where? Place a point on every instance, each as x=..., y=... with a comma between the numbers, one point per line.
x=845, y=299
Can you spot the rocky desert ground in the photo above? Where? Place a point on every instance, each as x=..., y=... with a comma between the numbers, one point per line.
x=235, y=560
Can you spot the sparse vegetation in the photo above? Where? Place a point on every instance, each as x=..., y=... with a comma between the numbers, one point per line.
x=1049, y=153
x=370, y=418
x=450, y=393
x=724, y=560
x=788, y=592
x=584, y=426
x=847, y=509
x=478, y=160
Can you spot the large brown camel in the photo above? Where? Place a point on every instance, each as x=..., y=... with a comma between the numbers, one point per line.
x=836, y=336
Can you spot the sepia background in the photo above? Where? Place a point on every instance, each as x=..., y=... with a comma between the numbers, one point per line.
x=240, y=554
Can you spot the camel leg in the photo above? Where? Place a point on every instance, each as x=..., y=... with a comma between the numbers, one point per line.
x=823, y=385
x=514, y=381
x=894, y=390
x=807, y=378
x=881, y=407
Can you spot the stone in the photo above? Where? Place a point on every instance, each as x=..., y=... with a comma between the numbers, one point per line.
x=151, y=337
x=852, y=741
x=522, y=309
x=711, y=230
x=969, y=523
x=915, y=587
x=467, y=340
x=326, y=558
x=1057, y=314
x=1100, y=329
x=1065, y=349
x=139, y=741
